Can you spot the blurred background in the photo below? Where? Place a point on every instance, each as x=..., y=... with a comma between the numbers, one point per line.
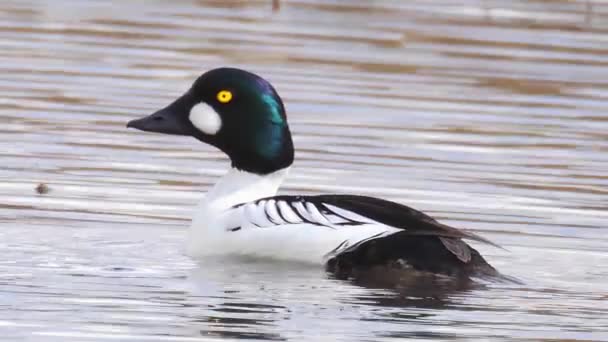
x=489, y=115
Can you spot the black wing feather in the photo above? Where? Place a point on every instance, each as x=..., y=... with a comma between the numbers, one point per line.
x=396, y=215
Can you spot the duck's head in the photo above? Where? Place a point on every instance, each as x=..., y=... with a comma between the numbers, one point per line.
x=234, y=110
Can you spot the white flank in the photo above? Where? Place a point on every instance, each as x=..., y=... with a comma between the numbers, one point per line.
x=279, y=229
x=205, y=118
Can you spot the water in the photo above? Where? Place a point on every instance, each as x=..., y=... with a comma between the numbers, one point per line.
x=489, y=115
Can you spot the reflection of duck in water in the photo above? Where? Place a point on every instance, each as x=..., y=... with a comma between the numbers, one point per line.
x=272, y=300
x=241, y=114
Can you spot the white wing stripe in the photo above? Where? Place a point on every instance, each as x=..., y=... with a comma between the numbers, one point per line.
x=303, y=212
x=273, y=213
x=348, y=215
x=287, y=213
x=316, y=214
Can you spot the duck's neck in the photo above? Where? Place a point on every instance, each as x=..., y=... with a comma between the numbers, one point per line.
x=238, y=186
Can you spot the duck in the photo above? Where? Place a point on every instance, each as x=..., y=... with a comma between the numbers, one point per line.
x=242, y=115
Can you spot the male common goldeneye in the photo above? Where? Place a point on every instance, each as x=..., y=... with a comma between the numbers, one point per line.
x=241, y=114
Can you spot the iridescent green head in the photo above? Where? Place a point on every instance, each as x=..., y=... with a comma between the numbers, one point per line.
x=234, y=110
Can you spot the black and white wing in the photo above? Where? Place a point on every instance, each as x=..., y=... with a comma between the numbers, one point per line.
x=289, y=210
x=339, y=212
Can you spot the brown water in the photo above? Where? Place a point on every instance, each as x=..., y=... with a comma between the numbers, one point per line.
x=489, y=115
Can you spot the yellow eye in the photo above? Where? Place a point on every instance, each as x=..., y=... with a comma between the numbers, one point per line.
x=224, y=96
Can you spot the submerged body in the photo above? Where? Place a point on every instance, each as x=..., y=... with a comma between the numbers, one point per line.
x=241, y=114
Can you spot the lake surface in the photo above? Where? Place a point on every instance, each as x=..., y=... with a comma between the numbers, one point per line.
x=490, y=115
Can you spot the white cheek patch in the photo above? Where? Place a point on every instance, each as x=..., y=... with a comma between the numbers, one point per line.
x=205, y=118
